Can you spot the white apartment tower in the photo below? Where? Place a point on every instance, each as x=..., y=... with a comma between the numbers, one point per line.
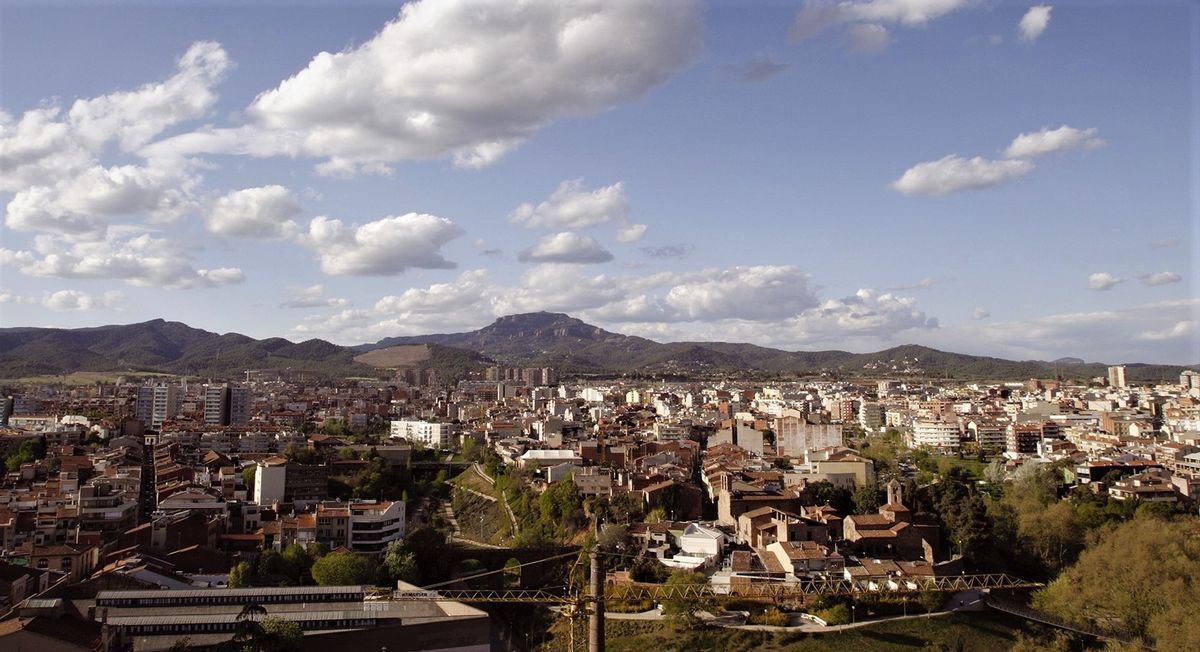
x=1116, y=376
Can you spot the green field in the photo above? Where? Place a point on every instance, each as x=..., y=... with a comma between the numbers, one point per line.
x=977, y=632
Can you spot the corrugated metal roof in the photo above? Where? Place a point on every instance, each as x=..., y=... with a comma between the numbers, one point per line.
x=203, y=619
x=238, y=593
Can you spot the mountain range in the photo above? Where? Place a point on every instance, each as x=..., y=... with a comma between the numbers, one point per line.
x=533, y=339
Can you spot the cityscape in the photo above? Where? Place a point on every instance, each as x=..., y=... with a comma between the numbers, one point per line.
x=464, y=325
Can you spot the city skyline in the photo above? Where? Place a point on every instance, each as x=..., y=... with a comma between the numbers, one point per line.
x=1007, y=179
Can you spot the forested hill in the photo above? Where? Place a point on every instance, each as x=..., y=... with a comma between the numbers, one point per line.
x=571, y=345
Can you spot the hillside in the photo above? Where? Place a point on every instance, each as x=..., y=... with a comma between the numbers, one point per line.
x=531, y=339
x=163, y=346
x=562, y=341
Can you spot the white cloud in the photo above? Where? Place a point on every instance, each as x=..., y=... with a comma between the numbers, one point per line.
x=980, y=313
x=45, y=146
x=1160, y=278
x=1034, y=22
x=572, y=206
x=263, y=212
x=1048, y=141
x=469, y=290
x=311, y=297
x=84, y=204
x=765, y=304
x=1103, y=281
x=954, y=173
x=464, y=79
x=74, y=300
x=866, y=18
x=133, y=118
x=565, y=247
x=384, y=247
x=140, y=260
x=1122, y=335
x=761, y=292
x=1179, y=329
x=631, y=232
x=866, y=313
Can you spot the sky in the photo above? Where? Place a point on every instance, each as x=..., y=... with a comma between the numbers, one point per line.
x=1014, y=179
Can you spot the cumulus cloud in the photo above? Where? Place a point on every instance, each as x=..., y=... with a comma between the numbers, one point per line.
x=384, y=247
x=1103, y=281
x=263, y=212
x=311, y=297
x=573, y=206
x=759, y=69
x=140, y=259
x=953, y=173
x=865, y=20
x=50, y=158
x=46, y=145
x=1178, y=330
x=75, y=300
x=1034, y=22
x=631, y=232
x=84, y=204
x=1048, y=141
x=463, y=79
x=866, y=313
x=766, y=304
x=756, y=293
x=1160, y=278
x=565, y=247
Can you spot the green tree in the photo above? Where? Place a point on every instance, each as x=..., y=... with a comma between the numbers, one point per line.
x=240, y=574
x=344, y=569
x=1142, y=577
x=401, y=564
x=281, y=635
x=681, y=608
x=248, y=474
x=868, y=498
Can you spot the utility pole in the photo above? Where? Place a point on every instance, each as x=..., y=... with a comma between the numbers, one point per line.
x=596, y=622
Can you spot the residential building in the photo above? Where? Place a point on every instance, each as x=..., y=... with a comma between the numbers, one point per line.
x=430, y=435
x=226, y=405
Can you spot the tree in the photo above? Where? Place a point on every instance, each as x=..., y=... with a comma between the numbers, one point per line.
x=248, y=630
x=344, y=569
x=868, y=498
x=248, y=474
x=239, y=575
x=1142, y=577
x=824, y=492
x=281, y=635
x=401, y=564
x=681, y=609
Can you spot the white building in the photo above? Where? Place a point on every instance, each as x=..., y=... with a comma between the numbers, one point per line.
x=431, y=435
x=375, y=524
x=938, y=435
x=270, y=478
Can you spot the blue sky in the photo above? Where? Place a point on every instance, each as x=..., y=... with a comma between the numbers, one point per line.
x=1003, y=178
